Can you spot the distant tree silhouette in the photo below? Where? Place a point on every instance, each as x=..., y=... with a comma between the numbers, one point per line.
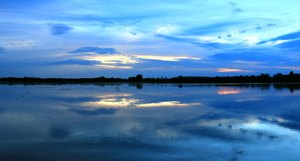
x=262, y=78
x=139, y=77
x=278, y=77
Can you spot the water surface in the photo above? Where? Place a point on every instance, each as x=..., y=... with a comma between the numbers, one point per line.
x=149, y=122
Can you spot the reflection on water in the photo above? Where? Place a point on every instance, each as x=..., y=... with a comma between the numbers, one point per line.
x=128, y=101
x=155, y=122
x=225, y=91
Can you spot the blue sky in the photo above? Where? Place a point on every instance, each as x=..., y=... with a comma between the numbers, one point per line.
x=118, y=38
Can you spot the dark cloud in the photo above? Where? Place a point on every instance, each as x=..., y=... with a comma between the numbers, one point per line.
x=193, y=41
x=271, y=24
x=106, y=22
x=246, y=56
x=96, y=50
x=290, y=44
x=235, y=8
x=147, y=63
x=58, y=132
x=59, y=29
x=258, y=28
x=212, y=28
x=293, y=43
x=75, y=62
x=94, y=112
x=242, y=31
x=238, y=10
x=75, y=100
x=289, y=36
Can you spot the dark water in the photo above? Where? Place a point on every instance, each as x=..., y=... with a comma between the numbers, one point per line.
x=150, y=122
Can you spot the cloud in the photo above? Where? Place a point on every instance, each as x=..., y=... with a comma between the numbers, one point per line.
x=95, y=50
x=94, y=112
x=109, y=22
x=294, y=37
x=115, y=66
x=235, y=8
x=290, y=67
x=247, y=57
x=248, y=62
x=294, y=44
x=166, y=58
x=229, y=70
x=116, y=59
x=58, y=132
x=119, y=60
x=23, y=43
x=205, y=42
x=59, y=29
x=212, y=28
x=75, y=62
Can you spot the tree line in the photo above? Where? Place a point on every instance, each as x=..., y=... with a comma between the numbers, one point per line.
x=262, y=78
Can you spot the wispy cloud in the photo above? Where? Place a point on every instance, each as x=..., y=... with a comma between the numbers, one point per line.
x=235, y=7
x=230, y=70
x=59, y=29
x=22, y=43
x=248, y=62
x=292, y=44
x=166, y=58
x=74, y=62
x=109, y=59
x=95, y=50
x=289, y=67
x=202, y=41
x=286, y=40
x=114, y=66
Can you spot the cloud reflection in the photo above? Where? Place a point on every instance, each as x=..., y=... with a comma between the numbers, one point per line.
x=112, y=103
x=166, y=104
x=226, y=91
x=125, y=100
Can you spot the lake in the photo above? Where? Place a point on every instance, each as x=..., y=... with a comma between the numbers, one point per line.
x=141, y=122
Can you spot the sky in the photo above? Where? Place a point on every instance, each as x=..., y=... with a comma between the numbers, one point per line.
x=121, y=38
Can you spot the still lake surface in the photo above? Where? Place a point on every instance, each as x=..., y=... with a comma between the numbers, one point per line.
x=149, y=122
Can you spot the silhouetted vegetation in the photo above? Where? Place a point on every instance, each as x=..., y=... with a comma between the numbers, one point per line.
x=262, y=78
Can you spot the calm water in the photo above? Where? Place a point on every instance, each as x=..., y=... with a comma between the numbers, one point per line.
x=148, y=122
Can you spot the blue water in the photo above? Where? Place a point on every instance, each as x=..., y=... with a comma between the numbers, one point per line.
x=149, y=122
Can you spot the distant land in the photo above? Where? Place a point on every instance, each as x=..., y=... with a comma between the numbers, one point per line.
x=262, y=78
